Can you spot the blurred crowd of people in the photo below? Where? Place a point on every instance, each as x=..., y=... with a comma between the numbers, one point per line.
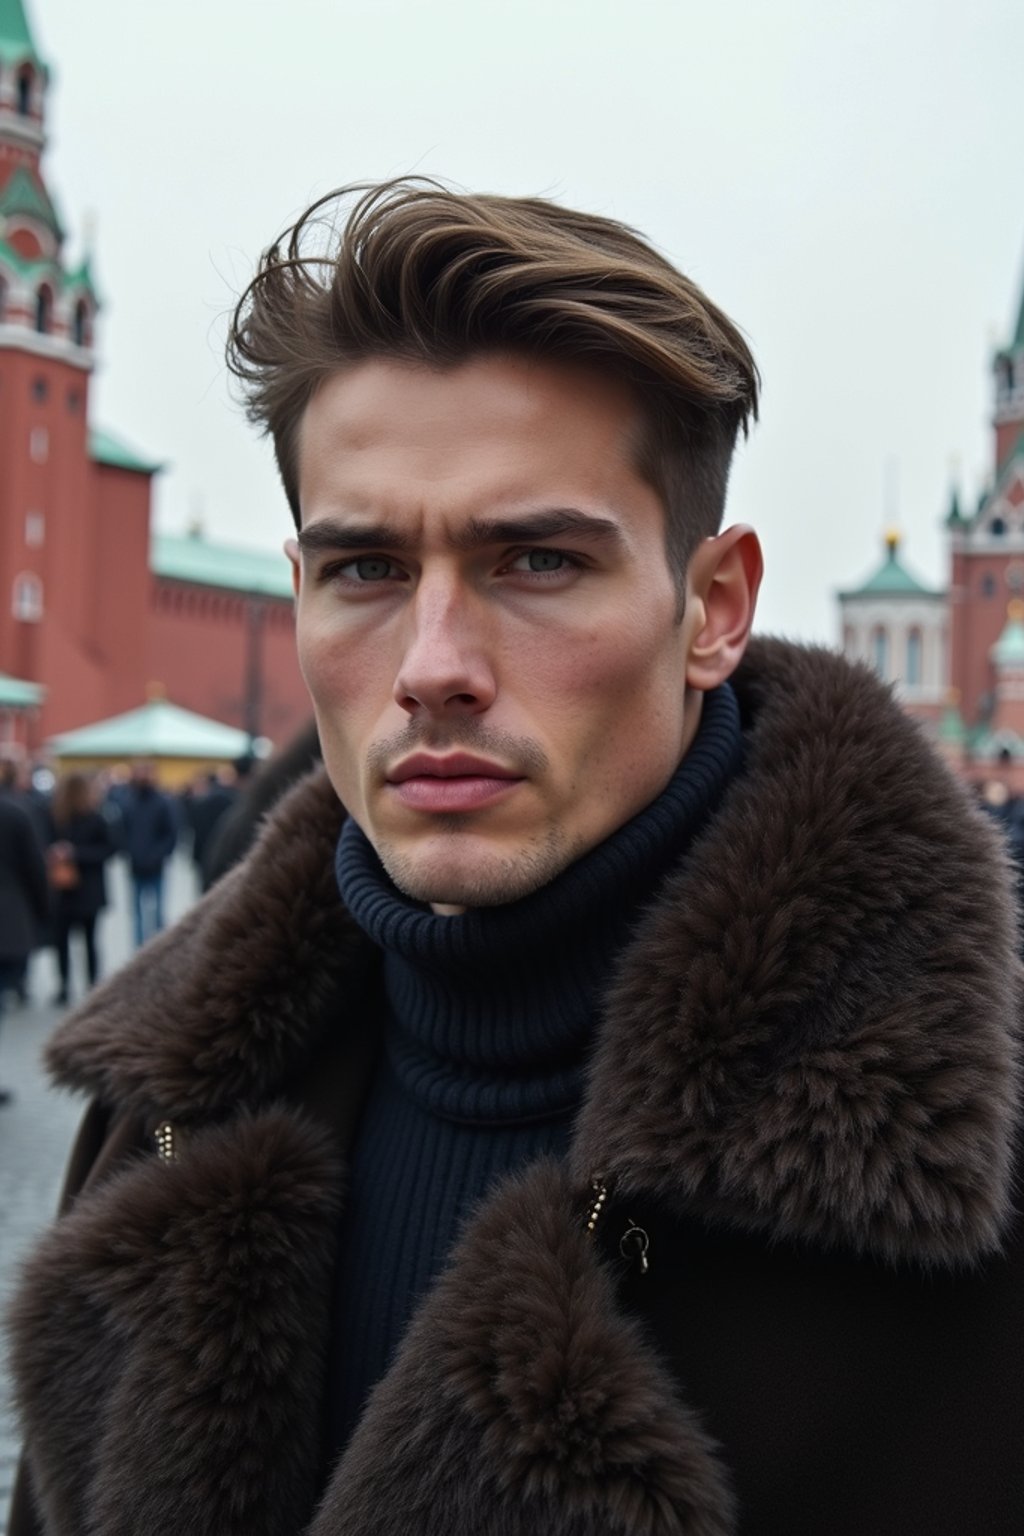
x=57, y=836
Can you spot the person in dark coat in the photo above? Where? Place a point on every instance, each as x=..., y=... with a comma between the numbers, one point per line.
x=592, y=1108
x=148, y=834
x=16, y=787
x=24, y=898
x=258, y=794
x=201, y=809
x=83, y=842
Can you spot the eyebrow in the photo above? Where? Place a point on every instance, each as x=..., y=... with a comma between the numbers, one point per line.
x=549, y=523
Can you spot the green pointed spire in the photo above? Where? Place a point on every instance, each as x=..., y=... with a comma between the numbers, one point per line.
x=1018, y=335
x=16, y=43
x=955, y=517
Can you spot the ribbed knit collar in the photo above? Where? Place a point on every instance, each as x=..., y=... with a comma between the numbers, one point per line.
x=493, y=1011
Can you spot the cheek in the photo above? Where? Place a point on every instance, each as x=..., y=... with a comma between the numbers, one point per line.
x=609, y=669
x=343, y=688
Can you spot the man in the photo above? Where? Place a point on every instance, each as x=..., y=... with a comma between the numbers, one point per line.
x=611, y=1129
x=149, y=833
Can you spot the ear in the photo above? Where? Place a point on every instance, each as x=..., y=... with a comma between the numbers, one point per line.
x=722, y=583
x=291, y=549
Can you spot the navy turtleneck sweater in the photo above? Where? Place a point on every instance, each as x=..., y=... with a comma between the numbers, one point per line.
x=490, y=1019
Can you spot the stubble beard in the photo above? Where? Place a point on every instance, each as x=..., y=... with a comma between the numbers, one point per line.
x=497, y=878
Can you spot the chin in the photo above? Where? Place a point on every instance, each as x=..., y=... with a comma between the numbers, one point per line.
x=457, y=871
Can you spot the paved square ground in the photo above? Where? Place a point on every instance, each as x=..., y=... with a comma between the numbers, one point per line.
x=37, y=1128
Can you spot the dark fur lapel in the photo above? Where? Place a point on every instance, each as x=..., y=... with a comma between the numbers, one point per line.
x=523, y=1402
x=168, y=1339
x=225, y=1008
x=814, y=1036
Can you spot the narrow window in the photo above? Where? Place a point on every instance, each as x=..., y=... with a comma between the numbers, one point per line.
x=914, y=653
x=25, y=93
x=880, y=650
x=44, y=310
x=80, y=325
x=27, y=604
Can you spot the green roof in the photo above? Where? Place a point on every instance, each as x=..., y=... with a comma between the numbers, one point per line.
x=26, y=196
x=1018, y=335
x=192, y=558
x=157, y=729
x=1008, y=650
x=15, y=38
x=104, y=448
x=15, y=694
x=892, y=578
x=951, y=727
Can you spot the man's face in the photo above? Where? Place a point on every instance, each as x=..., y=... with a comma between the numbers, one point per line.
x=487, y=623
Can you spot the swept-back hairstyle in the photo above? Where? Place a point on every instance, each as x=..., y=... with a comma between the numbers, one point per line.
x=411, y=270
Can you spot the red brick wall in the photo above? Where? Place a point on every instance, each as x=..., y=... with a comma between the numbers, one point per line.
x=199, y=639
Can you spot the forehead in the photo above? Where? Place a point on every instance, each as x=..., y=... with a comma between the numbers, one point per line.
x=506, y=428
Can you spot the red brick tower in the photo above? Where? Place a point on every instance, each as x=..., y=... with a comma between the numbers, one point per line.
x=72, y=535
x=987, y=547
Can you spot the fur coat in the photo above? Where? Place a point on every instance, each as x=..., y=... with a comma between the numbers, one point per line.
x=774, y=1290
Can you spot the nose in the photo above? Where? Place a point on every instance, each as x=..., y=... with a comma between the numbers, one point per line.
x=445, y=668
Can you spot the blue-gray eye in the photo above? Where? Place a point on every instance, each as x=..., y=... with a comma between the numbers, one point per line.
x=545, y=559
x=372, y=568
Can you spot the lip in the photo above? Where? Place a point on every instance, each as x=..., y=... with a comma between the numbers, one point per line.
x=458, y=765
x=459, y=782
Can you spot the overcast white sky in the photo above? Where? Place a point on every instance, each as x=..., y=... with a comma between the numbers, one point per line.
x=843, y=178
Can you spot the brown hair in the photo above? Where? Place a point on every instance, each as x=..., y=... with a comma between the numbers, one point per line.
x=73, y=796
x=422, y=273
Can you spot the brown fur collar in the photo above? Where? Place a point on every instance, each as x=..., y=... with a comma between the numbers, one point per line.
x=814, y=1034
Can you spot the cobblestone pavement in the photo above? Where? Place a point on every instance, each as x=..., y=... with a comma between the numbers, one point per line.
x=37, y=1127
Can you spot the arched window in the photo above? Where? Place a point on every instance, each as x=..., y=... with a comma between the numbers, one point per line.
x=44, y=310
x=915, y=647
x=3, y=299
x=988, y=585
x=80, y=324
x=25, y=92
x=27, y=598
x=880, y=650
x=997, y=526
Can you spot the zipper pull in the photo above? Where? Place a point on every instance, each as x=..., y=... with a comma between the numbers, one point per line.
x=634, y=1243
